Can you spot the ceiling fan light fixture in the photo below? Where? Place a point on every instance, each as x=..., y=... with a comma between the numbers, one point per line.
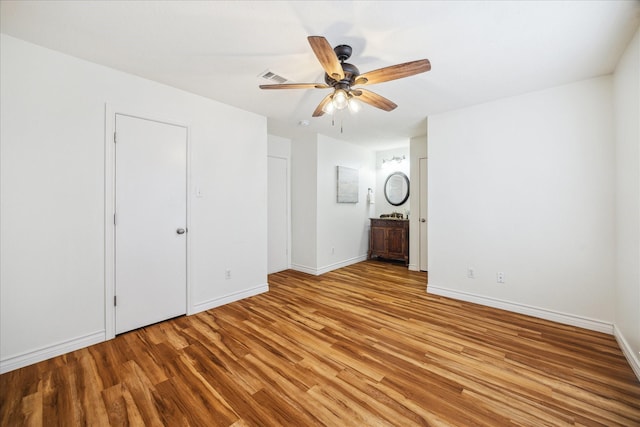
x=354, y=105
x=329, y=108
x=340, y=100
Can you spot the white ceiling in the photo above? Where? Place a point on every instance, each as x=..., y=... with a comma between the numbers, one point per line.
x=479, y=50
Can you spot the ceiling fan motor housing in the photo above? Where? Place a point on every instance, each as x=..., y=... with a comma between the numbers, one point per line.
x=351, y=72
x=343, y=52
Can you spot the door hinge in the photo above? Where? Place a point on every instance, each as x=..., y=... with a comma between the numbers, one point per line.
x=114, y=219
x=115, y=300
x=115, y=138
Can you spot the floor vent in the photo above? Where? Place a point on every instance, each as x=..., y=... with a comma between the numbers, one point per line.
x=273, y=77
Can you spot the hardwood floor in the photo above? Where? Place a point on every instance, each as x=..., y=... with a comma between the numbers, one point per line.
x=360, y=346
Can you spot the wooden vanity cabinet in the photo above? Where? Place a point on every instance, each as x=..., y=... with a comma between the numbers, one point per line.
x=389, y=239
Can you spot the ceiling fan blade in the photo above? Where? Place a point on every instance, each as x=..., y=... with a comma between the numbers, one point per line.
x=374, y=99
x=296, y=86
x=394, y=72
x=327, y=57
x=320, y=108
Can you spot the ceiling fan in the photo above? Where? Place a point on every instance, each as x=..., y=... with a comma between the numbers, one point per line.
x=342, y=76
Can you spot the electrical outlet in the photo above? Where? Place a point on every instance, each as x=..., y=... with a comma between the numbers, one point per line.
x=471, y=274
x=500, y=277
x=227, y=274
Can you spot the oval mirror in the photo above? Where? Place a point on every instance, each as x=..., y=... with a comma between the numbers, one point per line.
x=396, y=188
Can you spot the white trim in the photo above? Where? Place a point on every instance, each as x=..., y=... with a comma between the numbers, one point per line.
x=109, y=209
x=47, y=352
x=232, y=297
x=341, y=264
x=413, y=267
x=542, y=313
x=109, y=230
x=632, y=358
x=190, y=231
x=304, y=269
x=328, y=268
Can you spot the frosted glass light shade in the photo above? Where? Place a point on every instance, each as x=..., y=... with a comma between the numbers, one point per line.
x=354, y=105
x=328, y=108
x=339, y=99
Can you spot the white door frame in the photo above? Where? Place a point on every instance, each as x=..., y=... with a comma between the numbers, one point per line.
x=109, y=209
x=423, y=243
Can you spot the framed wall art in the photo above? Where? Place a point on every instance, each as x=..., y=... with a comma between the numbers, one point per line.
x=347, y=185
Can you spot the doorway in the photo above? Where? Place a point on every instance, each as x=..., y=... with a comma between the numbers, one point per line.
x=150, y=221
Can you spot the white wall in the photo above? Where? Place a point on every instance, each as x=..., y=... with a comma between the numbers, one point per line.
x=524, y=186
x=343, y=228
x=278, y=146
x=52, y=280
x=383, y=170
x=626, y=85
x=325, y=234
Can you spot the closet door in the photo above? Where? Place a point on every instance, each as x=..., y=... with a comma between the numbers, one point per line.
x=277, y=214
x=150, y=222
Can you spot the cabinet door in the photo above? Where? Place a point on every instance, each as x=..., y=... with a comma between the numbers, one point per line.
x=395, y=242
x=378, y=241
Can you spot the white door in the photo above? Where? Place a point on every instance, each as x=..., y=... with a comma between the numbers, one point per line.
x=277, y=215
x=150, y=230
x=423, y=214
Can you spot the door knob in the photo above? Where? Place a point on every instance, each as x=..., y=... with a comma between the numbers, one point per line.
x=423, y=220
x=180, y=231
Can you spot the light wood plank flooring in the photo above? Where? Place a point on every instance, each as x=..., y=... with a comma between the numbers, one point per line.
x=360, y=346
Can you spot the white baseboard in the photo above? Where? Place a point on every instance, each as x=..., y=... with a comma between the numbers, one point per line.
x=542, y=313
x=632, y=358
x=564, y=318
x=303, y=269
x=236, y=296
x=47, y=352
x=341, y=264
x=328, y=268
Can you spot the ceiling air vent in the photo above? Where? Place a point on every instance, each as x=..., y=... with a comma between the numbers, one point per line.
x=273, y=77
